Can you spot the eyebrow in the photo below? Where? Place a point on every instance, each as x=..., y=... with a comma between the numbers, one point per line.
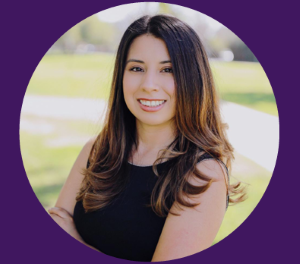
x=139, y=61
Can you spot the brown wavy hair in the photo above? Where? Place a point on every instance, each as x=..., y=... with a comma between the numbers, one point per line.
x=199, y=129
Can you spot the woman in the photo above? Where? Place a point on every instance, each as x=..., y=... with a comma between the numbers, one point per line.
x=154, y=185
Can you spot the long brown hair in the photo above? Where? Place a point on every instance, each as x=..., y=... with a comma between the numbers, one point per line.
x=197, y=118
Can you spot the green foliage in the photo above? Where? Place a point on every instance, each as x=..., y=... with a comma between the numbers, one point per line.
x=244, y=83
x=89, y=31
x=89, y=76
x=240, y=77
x=237, y=214
x=49, y=157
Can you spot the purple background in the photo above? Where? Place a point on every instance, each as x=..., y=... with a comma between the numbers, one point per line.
x=269, y=30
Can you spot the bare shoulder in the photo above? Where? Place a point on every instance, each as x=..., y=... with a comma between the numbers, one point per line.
x=85, y=152
x=82, y=158
x=194, y=229
x=68, y=193
x=214, y=169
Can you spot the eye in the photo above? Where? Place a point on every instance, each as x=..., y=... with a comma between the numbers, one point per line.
x=136, y=69
x=169, y=70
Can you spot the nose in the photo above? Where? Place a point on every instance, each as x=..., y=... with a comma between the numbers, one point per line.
x=149, y=82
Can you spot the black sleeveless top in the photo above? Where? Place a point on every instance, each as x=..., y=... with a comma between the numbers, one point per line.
x=127, y=228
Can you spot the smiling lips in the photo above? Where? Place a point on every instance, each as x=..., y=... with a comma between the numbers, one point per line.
x=151, y=105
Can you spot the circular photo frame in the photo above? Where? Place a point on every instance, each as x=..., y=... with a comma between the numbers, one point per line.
x=65, y=102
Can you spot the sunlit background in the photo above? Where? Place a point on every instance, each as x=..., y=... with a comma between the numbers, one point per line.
x=66, y=97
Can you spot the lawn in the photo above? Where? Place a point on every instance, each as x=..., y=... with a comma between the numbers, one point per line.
x=245, y=83
x=49, y=147
x=49, y=155
x=89, y=76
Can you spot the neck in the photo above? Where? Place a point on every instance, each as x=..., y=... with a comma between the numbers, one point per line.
x=151, y=139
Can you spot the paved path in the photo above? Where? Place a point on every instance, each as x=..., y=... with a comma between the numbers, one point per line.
x=253, y=134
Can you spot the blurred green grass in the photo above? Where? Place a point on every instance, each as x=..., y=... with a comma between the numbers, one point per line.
x=245, y=83
x=49, y=156
x=237, y=214
x=47, y=161
x=89, y=76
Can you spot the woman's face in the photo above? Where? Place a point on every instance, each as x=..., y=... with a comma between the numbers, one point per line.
x=148, y=81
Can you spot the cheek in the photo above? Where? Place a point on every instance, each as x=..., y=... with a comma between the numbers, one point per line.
x=129, y=85
x=170, y=89
x=126, y=87
x=128, y=91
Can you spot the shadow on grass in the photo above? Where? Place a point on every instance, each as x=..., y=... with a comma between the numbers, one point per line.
x=249, y=98
x=48, y=194
x=42, y=170
x=261, y=102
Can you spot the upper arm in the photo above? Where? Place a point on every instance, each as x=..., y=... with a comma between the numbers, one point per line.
x=68, y=193
x=195, y=228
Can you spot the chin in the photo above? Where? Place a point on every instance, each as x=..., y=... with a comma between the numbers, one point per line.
x=153, y=121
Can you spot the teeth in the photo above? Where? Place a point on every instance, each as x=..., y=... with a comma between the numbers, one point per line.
x=151, y=103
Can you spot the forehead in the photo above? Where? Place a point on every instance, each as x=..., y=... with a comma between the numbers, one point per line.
x=148, y=47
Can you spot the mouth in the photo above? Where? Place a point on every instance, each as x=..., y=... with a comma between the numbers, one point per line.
x=151, y=105
x=151, y=102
